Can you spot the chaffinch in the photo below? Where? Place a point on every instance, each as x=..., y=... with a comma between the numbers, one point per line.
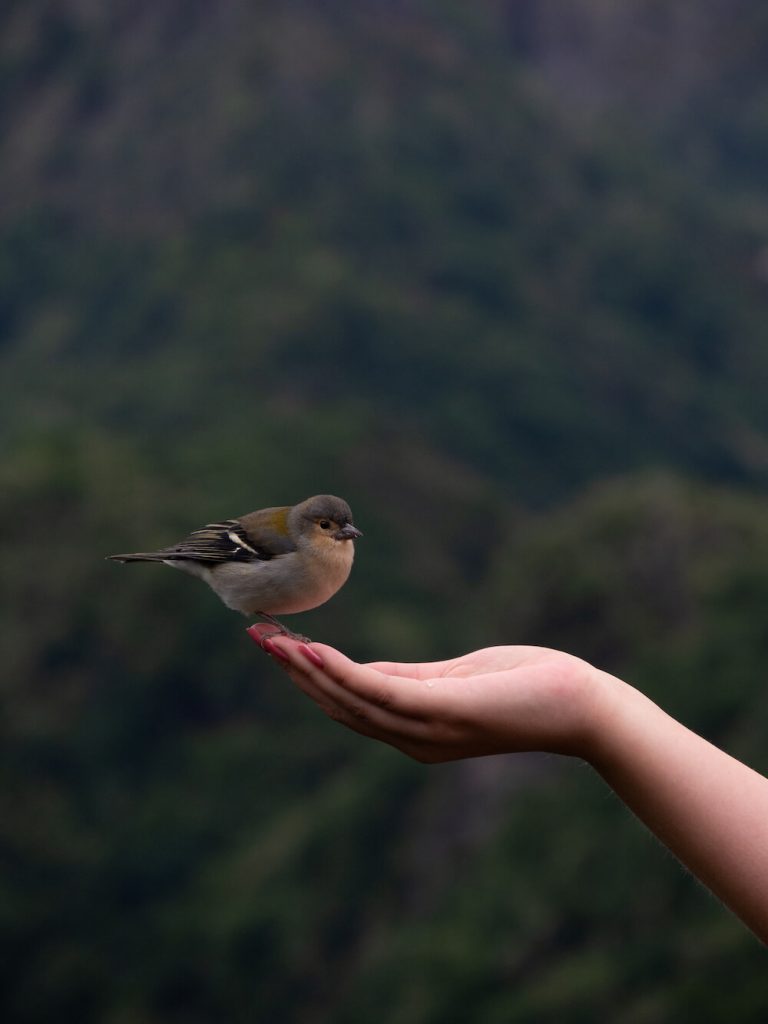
x=271, y=562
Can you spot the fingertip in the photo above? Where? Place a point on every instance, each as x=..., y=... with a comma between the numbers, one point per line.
x=255, y=635
x=274, y=650
x=333, y=660
x=311, y=655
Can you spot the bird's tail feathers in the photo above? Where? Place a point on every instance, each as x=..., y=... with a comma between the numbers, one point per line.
x=140, y=556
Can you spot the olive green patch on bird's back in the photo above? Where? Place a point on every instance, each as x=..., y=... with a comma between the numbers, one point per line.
x=267, y=529
x=276, y=519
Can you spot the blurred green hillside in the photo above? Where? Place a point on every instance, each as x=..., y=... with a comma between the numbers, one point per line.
x=498, y=274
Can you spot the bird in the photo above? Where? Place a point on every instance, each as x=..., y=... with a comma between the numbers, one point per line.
x=275, y=561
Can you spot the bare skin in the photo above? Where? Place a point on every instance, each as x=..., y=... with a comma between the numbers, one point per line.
x=708, y=808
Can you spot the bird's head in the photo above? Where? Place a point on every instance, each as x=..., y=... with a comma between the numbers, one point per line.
x=324, y=518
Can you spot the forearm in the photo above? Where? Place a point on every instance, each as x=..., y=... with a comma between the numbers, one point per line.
x=708, y=808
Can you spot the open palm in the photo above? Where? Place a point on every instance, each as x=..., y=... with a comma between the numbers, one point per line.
x=495, y=700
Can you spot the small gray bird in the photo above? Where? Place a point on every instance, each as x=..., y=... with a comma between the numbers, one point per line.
x=271, y=562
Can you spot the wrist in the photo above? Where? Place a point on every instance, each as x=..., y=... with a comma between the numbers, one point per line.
x=622, y=720
x=611, y=705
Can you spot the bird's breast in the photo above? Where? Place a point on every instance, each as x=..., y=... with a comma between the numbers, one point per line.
x=293, y=582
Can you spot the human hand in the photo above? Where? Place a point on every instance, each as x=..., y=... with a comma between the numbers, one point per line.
x=496, y=700
x=710, y=809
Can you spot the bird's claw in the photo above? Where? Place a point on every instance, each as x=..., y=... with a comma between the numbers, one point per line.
x=281, y=630
x=298, y=637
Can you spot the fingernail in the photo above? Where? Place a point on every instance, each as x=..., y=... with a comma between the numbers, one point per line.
x=311, y=655
x=253, y=633
x=274, y=650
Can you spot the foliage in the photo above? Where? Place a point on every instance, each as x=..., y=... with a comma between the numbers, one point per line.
x=486, y=282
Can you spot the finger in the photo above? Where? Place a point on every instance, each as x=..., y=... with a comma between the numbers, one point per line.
x=261, y=631
x=306, y=684
x=352, y=674
x=372, y=705
x=366, y=721
x=411, y=737
x=402, y=694
x=359, y=722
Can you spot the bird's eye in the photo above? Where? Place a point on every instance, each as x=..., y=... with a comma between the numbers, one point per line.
x=324, y=524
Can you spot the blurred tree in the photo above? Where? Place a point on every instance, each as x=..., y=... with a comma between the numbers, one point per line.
x=459, y=263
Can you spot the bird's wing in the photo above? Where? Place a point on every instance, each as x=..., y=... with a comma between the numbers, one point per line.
x=267, y=530
x=257, y=537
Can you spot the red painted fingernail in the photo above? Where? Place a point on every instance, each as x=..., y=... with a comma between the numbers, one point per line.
x=253, y=633
x=311, y=655
x=274, y=650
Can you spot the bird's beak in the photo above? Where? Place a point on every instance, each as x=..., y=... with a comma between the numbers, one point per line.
x=348, y=532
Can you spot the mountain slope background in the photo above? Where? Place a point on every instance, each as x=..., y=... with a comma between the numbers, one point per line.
x=498, y=276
